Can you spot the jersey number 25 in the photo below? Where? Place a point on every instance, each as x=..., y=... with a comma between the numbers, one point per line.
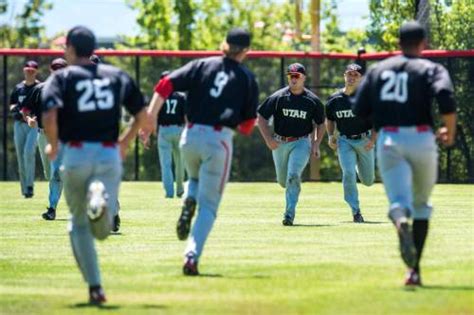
x=95, y=94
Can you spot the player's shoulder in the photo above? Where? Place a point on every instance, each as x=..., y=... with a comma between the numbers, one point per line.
x=334, y=96
x=285, y=91
x=310, y=96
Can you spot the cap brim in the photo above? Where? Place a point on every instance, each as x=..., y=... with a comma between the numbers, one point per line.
x=295, y=72
x=30, y=68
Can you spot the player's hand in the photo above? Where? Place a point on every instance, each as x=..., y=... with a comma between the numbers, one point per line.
x=51, y=151
x=272, y=144
x=369, y=145
x=123, y=146
x=144, y=138
x=315, y=151
x=332, y=142
x=444, y=137
x=32, y=122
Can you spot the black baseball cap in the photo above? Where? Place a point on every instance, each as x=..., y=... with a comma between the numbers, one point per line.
x=82, y=39
x=57, y=64
x=31, y=64
x=411, y=31
x=239, y=37
x=354, y=67
x=296, y=68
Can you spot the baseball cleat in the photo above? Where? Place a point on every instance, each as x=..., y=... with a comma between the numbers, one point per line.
x=97, y=200
x=358, y=218
x=180, y=194
x=97, y=296
x=184, y=222
x=190, y=267
x=50, y=214
x=412, y=278
x=116, y=226
x=287, y=221
x=29, y=192
x=407, y=247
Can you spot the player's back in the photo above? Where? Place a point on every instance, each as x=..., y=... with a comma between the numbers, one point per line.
x=403, y=88
x=219, y=88
x=89, y=99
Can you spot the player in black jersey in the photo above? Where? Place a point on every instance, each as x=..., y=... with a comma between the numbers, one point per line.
x=355, y=141
x=32, y=111
x=298, y=117
x=222, y=96
x=24, y=134
x=397, y=93
x=81, y=110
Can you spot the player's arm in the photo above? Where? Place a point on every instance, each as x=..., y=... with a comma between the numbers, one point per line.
x=331, y=128
x=51, y=100
x=443, y=90
x=361, y=103
x=50, y=125
x=265, y=131
x=249, y=111
x=131, y=131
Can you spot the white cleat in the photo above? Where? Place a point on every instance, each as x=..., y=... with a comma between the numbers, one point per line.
x=97, y=197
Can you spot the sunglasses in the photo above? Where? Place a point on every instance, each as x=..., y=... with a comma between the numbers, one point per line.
x=294, y=75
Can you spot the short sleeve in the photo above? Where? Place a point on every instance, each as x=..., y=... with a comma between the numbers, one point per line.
x=361, y=104
x=52, y=94
x=440, y=80
x=329, y=110
x=132, y=97
x=14, y=96
x=268, y=107
x=250, y=107
x=183, y=78
x=318, y=112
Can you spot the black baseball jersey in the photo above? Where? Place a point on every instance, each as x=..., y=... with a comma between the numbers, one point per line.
x=18, y=96
x=172, y=112
x=293, y=115
x=399, y=91
x=221, y=91
x=88, y=99
x=33, y=102
x=338, y=109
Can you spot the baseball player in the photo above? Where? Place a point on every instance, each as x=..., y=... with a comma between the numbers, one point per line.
x=298, y=117
x=81, y=110
x=32, y=112
x=170, y=126
x=398, y=93
x=223, y=96
x=24, y=135
x=355, y=142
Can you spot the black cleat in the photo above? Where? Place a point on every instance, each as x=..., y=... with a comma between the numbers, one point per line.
x=180, y=194
x=358, y=218
x=29, y=192
x=407, y=246
x=287, y=221
x=190, y=267
x=50, y=214
x=413, y=279
x=116, y=225
x=184, y=222
x=96, y=296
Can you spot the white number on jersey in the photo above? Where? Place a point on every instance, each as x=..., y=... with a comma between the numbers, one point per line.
x=96, y=94
x=219, y=83
x=171, y=106
x=396, y=87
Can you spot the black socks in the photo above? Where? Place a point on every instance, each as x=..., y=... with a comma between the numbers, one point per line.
x=420, y=230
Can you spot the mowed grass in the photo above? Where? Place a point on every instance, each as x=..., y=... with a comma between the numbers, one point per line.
x=251, y=264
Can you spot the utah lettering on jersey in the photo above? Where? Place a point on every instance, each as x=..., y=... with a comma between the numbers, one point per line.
x=344, y=113
x=294, y=113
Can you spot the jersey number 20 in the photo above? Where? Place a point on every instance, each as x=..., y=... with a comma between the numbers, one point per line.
x=95, y=94
x=219, y=83
x=396, y=86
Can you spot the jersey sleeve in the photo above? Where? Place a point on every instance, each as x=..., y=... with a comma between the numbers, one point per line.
x=361, y=104
x=182, y=78
x=249, y=110
x=14, y=96
x=319, y=116
x=132, y=97
x=52, y=94
x=268, y=107
x=442, y=89
x=329, y=109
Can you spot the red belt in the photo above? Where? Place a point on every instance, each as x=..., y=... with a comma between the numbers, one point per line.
x=419, y=128
x=216, y=127
x=105, y=144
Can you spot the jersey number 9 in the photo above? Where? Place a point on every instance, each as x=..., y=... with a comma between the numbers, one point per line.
x=219, y=83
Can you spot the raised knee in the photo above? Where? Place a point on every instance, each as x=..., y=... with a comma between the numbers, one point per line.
x=368, y=182
x=294, y=179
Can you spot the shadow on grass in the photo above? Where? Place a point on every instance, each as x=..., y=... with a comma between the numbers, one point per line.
x=447, y=287
x=61, y=220
x=368, y=222
x=88, y=305
x=312, y=225
x=115, y=233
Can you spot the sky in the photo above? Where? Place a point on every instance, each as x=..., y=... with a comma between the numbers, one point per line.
x=110, y=18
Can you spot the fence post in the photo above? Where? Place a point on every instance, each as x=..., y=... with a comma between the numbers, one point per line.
x=5, y=117
x=282, y=71
x=137, y=157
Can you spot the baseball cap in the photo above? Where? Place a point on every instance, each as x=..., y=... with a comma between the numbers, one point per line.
x=239, y=37
x=164, y=74
x=31, y=64
x=94, y=59
x=354, y=67
x=411, y=31
x=58, y=63
x=82, y=39
x=296, y=68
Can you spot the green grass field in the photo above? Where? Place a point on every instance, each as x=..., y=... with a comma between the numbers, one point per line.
x=251, y=264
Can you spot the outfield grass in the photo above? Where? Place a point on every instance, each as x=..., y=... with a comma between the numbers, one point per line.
x=251, y=264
